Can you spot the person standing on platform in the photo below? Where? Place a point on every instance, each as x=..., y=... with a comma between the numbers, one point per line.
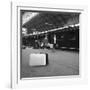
x=45, y=41
x=54, y=39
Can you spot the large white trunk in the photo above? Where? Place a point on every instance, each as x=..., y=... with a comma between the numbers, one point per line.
x=37, y=59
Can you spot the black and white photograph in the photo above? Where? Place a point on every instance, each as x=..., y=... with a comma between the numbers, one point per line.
x=45, y=44
x=49, y=43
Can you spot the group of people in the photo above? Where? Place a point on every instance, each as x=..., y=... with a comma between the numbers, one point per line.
x=43, y=44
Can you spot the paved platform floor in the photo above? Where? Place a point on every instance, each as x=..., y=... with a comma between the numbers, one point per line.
x=61, y=63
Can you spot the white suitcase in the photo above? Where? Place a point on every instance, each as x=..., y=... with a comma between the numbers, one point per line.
x=37, y=59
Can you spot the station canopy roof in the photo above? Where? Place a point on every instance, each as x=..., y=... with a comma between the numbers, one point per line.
x=44, y=21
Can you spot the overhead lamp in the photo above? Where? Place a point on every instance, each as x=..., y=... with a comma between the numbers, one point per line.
x=48, y=23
